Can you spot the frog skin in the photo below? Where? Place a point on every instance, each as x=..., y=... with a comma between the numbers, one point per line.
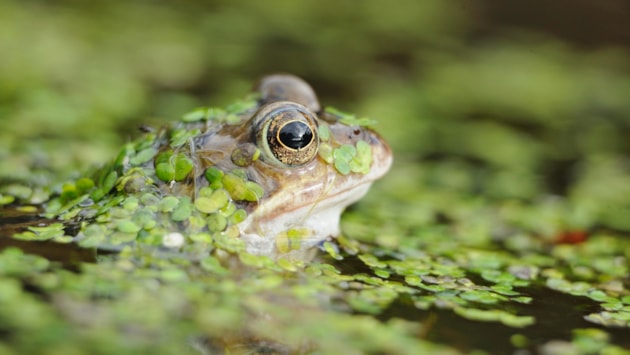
x=276, y=170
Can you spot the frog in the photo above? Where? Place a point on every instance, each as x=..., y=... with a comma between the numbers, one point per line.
x=274, y=171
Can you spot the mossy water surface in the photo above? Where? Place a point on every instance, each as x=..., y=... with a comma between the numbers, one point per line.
x=418, y=265
x=502, y=226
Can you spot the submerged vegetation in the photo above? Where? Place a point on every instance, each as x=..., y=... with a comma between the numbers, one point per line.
x=503, y=225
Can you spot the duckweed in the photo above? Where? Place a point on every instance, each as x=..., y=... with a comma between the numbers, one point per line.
x=495, y=315
x=255, y=192
x=332, y=250
x=195, y=115
x=245, y=155
x=172, y=167
x=350, y=119
x=168, y=203
x=347, y=158
x=238, y=216
x=106, y=184
x=54, y=231
x=18, y=191
x=228, y=209
x=183, y=211
x=217, y=200
x=127, y=226
x=215, y=177
x=143, y=156
x=241, y=189
x=326, y=153
x=182, y=135
x=476, y=235
x=362, y=161
x=519, y=340
x=342, y=157
x=323, y=132
x=291, y=240
x=216, y=222
x=84, y=185
x=372, y=301
x=183, y=167
x=6, y=199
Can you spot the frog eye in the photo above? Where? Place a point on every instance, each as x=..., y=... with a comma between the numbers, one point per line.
x=286, y=132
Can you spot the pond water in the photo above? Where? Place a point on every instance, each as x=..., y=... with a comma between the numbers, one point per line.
x=502, y=228
x=557, y=314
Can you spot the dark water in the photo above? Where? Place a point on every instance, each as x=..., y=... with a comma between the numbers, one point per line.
x=12, y=221
x=556, y=314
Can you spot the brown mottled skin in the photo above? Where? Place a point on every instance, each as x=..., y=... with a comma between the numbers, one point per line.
x=215, y=145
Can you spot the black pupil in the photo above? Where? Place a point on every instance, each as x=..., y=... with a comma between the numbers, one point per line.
x=296, y=135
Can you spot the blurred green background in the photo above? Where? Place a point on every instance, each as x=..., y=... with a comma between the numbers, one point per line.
x=499, y=98
x=509, y=122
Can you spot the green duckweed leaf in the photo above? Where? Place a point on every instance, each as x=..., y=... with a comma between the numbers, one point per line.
x=183, y=167
x=168, y=203
x=504, y=317
x=165, y=172
x=216, y=222
x=324, y=132
x=143, y=156
x=326, y=152
x=127, y=226
x=197, y=114
x=214, y=176
x=238, y=216
x=218, y=199
x=183, y=211
x=181, y=136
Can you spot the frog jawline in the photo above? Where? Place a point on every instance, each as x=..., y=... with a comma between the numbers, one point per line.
x=321, y=220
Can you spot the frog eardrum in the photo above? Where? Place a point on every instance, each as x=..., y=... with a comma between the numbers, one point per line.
x=286, y=132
